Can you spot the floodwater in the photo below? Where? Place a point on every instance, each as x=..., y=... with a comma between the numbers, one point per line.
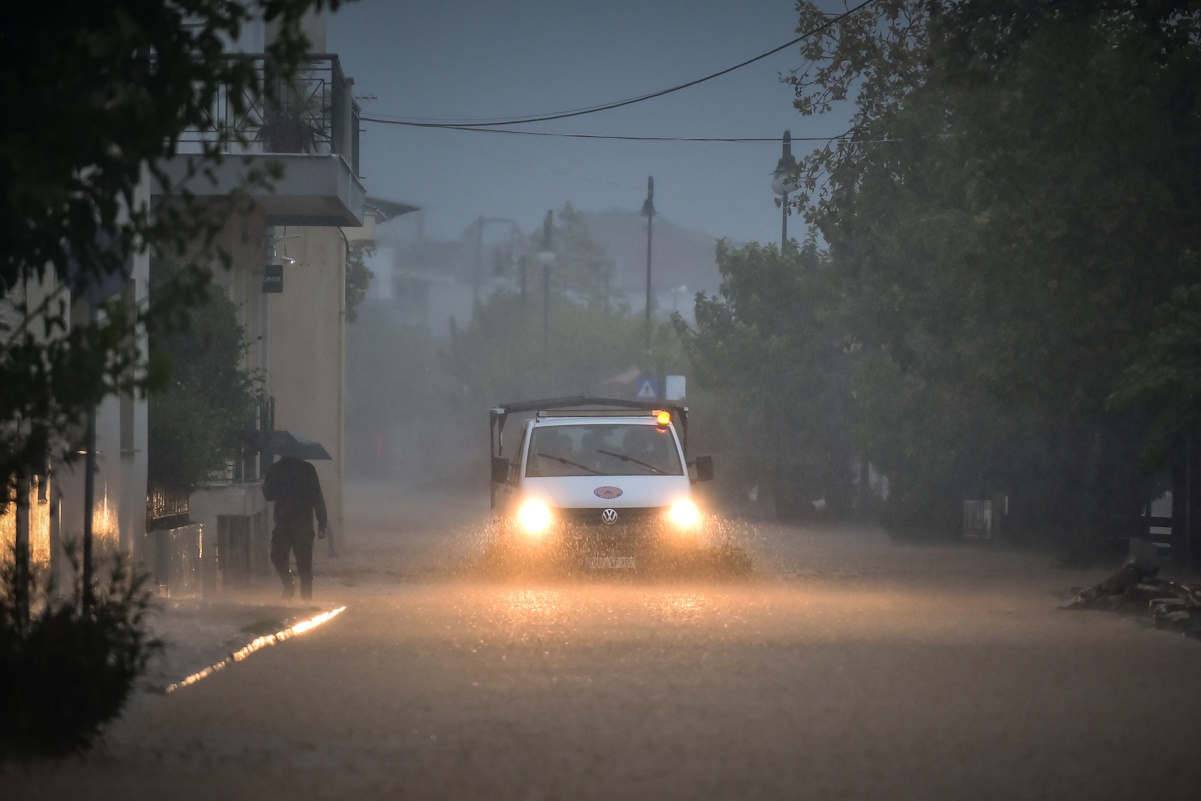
x=819, y=663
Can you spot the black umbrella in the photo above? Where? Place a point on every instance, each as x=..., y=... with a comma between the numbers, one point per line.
x=285, y=443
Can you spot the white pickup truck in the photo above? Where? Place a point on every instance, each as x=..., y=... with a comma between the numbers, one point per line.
x=604, y=478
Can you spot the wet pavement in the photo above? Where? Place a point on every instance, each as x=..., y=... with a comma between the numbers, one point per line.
x=840, y=665
x=197, y=633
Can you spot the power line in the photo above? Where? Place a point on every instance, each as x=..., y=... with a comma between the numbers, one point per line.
x=620, y=137
x=847, y=137
x=460, y=124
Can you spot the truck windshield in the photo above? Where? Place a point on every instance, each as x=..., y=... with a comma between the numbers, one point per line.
x=603, y=450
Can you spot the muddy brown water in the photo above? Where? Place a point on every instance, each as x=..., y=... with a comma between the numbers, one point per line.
x=839, y=665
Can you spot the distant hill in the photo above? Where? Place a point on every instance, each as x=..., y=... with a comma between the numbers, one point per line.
x=680, y=257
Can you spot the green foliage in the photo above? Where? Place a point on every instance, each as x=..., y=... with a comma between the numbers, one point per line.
x=772, y=347
x=68, y=670
x=196, y=420
x=582, y=271
x=358, y=277
x=423, y=400
x=128, y=80
x=1163, y=370
x=292, y=120
x=589, y=336
x=1013, y=212
x=501, y=356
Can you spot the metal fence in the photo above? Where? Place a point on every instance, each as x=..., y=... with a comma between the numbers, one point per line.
x=313, y=112
x=166, y=509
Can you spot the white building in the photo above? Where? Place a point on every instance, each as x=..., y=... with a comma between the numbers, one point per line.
x=297, y=335
x=314, y=212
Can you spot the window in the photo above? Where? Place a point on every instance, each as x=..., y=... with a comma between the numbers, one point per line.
x=603, y=450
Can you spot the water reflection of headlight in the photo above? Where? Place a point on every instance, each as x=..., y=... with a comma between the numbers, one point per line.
x=534, y=517
x=684, y=515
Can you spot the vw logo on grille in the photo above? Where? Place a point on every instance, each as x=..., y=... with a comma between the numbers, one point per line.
x=609, y=517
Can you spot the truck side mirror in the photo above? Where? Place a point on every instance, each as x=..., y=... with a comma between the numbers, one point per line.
x=704, y=468
x=500, y=469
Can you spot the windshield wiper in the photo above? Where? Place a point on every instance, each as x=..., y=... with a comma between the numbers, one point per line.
x=632, y=460
x=568, y=461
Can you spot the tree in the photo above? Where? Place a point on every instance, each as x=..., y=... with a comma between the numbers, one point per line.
x=500, y=356
x=358, y=276
x=772, y=347
x=582, y=271
x=102, y=93
x=197, y=420
x=417, y=399
x=1014, y=206
x=589, y=337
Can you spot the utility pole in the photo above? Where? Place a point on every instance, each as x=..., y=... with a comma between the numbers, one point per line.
x=89, y=501
x=648, y=209
x=479, y=248
x=546, y=256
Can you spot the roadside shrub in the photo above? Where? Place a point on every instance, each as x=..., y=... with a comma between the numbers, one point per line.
x=65, y=672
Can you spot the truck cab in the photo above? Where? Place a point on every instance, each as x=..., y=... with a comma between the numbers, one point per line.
x=595, y=472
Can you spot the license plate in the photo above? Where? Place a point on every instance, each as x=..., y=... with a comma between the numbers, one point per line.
x=611, y=562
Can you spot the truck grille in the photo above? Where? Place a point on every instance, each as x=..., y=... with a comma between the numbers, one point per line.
x=639, y=516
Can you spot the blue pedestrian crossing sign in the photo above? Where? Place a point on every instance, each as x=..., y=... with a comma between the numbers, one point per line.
x=647, y=388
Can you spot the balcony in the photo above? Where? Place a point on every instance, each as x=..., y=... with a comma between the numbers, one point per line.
x=310, y=126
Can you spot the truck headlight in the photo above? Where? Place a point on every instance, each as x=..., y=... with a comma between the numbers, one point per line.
x=684, y=515
x=534, y=517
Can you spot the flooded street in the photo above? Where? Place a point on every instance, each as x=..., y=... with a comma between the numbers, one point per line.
x=840, y=666
x=271, y=265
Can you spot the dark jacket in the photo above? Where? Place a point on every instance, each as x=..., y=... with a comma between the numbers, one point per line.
x=293, y=485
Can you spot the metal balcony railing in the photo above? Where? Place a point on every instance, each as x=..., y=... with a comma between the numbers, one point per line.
x=166, y=509
x=314, y=112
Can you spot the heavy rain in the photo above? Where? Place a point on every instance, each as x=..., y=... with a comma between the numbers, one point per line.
x=627, y=400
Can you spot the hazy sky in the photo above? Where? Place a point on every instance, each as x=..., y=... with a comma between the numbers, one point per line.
x=472, y=59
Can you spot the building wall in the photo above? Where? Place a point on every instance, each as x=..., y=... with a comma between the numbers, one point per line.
x=246, y=240
x=28, y=294
x=306, y=343
x=297, y=340
x=119, y=510
x=305, y=368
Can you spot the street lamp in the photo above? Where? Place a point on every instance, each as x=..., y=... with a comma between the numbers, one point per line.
x=783, y=181
x=648, y=209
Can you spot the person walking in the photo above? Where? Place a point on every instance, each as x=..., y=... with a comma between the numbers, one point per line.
x=293, y=485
